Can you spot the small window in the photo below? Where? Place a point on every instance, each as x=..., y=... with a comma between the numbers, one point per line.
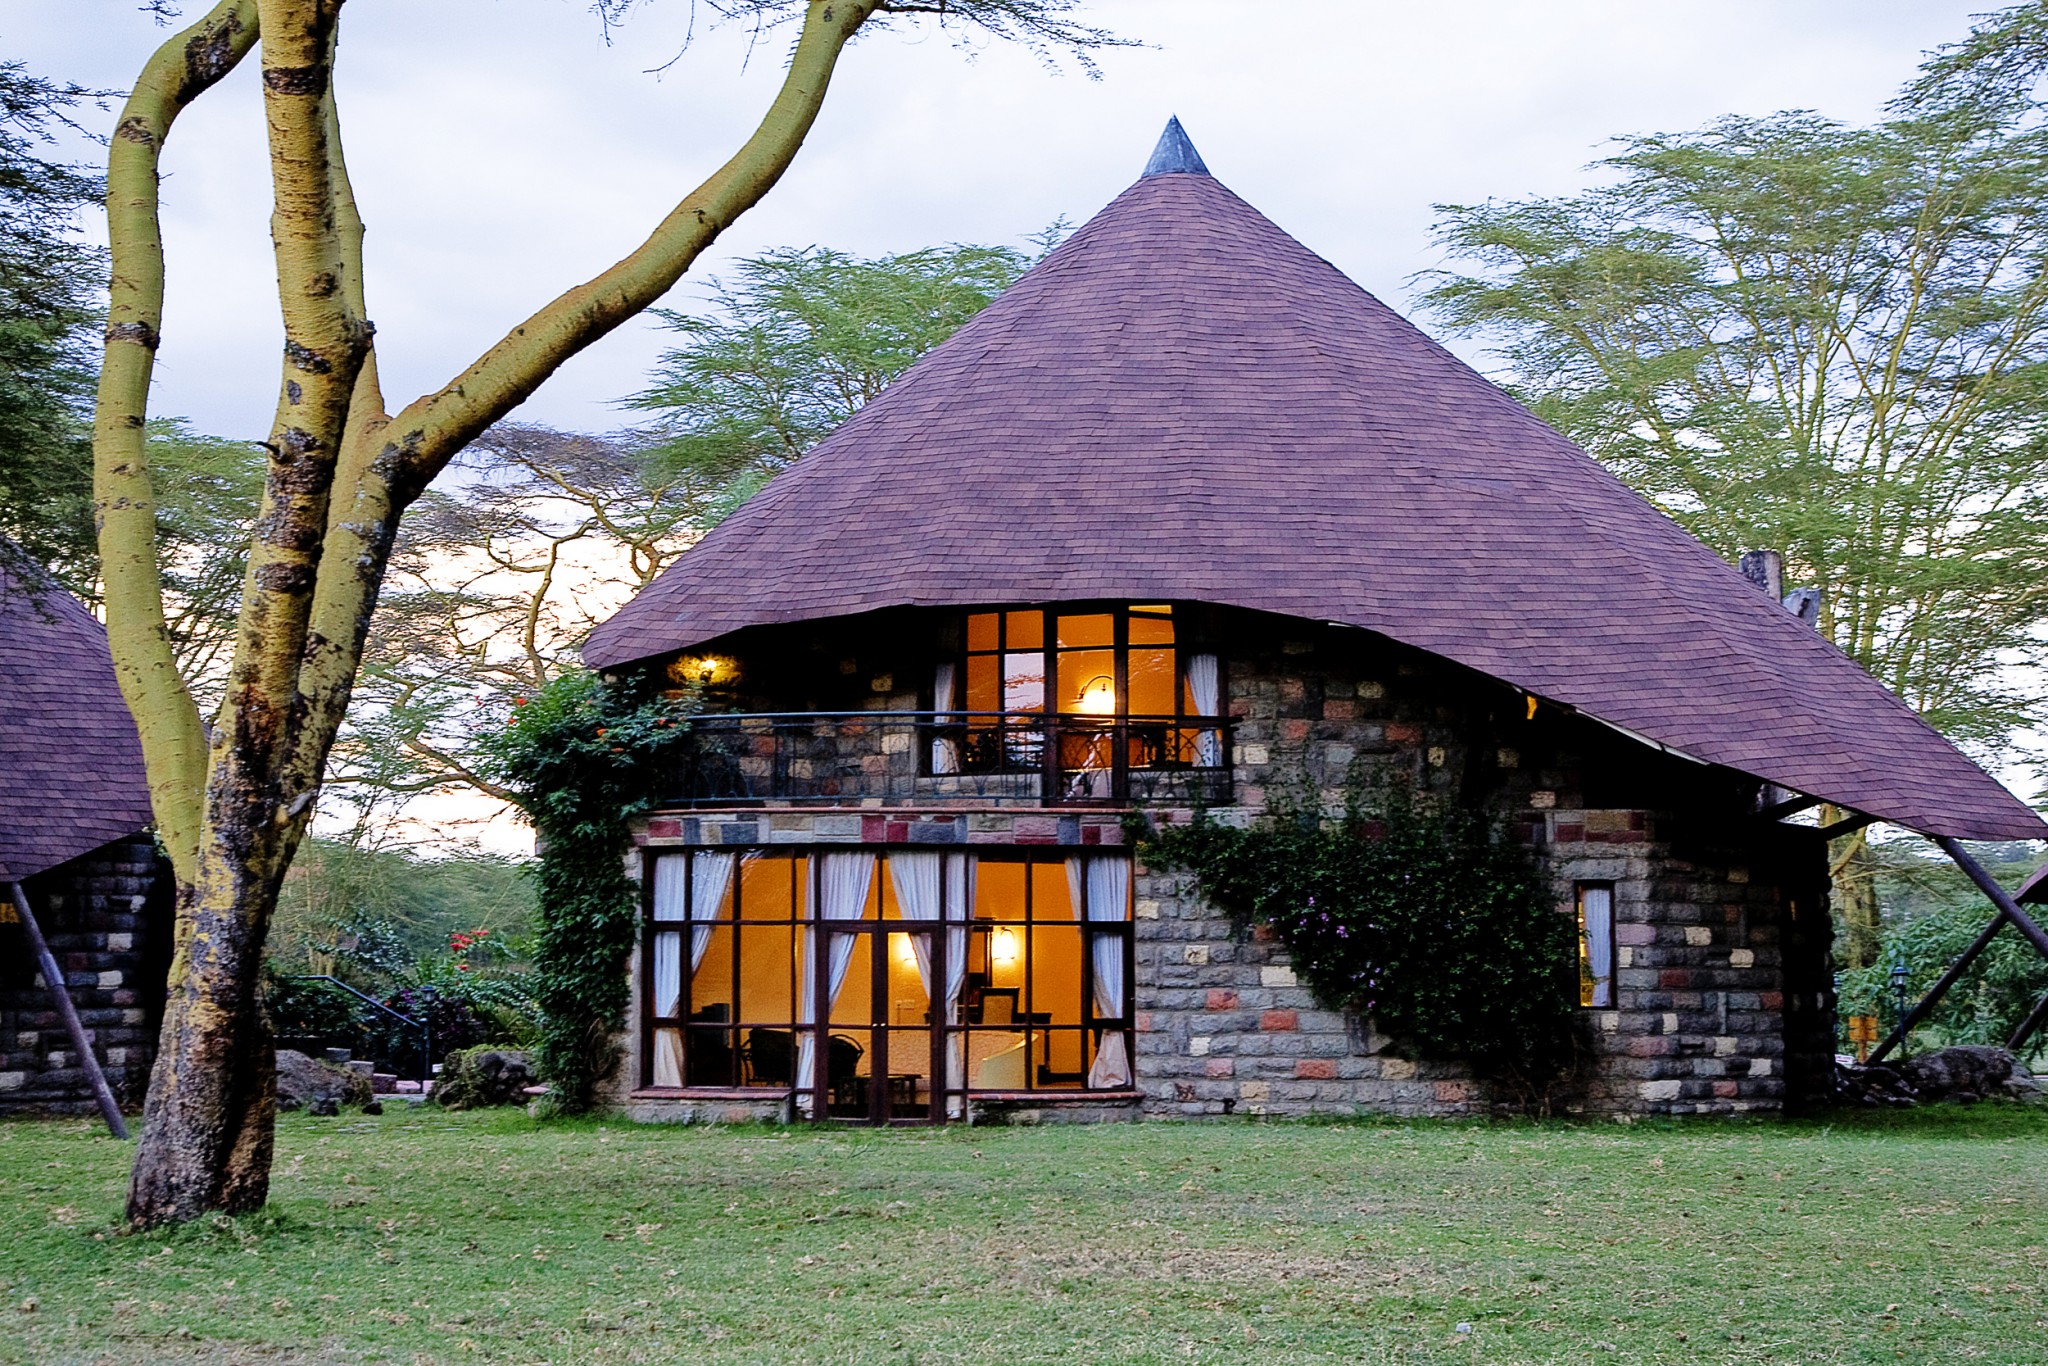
x=1596, y=943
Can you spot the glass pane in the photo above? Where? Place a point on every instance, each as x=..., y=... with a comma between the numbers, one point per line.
x=1055, y=963
x=1023, y=682
x=996, y=1060
x=1151, y=626
x=1062, y=1058
x=1026, y=630
x=885, y=887
x=910, y=1035
x=1152, y=682
x=767, y=975
x=1094, y=628
x=711, y=984
x=1087, y=683
x=710, y=1057
x=1049, y=897
x=984, y=683
x=981, y=630
x=765, y=889
x=855, y=1003
x=848, y=1054
x=999, y=890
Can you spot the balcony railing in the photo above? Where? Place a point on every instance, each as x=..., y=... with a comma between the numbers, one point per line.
x=961, y=758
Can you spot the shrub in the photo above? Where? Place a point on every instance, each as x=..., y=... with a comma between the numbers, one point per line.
x=585, y=757
x=1426, y=920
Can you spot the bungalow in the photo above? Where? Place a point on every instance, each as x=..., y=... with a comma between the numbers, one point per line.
x=79, y=869
x=1183, y=516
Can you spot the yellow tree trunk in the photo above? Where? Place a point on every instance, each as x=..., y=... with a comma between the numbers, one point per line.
x=233, y=799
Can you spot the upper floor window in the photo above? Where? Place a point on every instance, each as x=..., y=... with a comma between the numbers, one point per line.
x=1079, y=691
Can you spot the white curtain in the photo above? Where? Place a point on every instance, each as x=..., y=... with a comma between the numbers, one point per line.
x=1204, y=691
x=945, y=696
x=1101, y=890
x=1596, y=904
x=843, y=882
x=940, y=887
x=697, y=901
x=670, y=906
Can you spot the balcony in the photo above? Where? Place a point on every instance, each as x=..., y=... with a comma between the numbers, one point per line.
x=892, y=758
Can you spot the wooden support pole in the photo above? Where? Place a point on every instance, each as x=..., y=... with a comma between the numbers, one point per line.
x=2028, y=1025
x=2008, y=911
x=2000, y=898
x=73, y=1026
x=1940, y=989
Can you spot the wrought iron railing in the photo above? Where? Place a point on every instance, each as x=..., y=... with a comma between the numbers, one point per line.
x=996, y=758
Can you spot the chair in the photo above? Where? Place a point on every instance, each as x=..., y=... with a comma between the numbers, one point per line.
x=770, y=1057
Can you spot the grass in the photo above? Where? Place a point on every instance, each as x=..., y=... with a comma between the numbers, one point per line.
x=422, y=1236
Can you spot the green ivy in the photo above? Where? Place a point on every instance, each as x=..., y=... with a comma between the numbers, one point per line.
x=585, y=757
x=1424, y=918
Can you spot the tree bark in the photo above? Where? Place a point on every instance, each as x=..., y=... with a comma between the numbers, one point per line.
x=1853, y=869
x=341, y=473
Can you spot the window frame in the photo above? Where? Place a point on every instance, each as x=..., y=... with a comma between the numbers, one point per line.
x=803, y=920
x=1588, y=994
x=1049, y=721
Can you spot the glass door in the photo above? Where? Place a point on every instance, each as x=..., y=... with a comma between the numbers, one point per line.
x=879, y=1052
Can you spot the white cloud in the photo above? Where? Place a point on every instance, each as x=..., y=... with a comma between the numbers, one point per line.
x=502, y=151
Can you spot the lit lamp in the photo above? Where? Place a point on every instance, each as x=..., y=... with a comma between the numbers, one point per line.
x=1899, y=976
x=1098, y=696
x=1002, y=949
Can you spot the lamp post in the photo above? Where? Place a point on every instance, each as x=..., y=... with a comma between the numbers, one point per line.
x=1899, y=975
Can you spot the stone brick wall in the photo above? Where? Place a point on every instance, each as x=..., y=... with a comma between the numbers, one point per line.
x=107, y=918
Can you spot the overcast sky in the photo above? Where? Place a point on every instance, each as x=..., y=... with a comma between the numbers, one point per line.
x=502, y=151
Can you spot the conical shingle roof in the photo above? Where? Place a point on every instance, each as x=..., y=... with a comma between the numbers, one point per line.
x=1183, y=402
x=71, y=774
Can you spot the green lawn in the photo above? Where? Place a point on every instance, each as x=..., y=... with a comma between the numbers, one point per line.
x=429, y=1237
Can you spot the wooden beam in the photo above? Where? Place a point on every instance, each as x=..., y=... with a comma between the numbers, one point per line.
x=54, y=980
x=2028, y=1025
x=2008, y=911
x=1848, y=826
x=1779, y=810
x=2000, y=898
x=1919, y=1012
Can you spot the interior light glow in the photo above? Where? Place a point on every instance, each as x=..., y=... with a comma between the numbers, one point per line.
x=1002, y=949
x=1098, y=696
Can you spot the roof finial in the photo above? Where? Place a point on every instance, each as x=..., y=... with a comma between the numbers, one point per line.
x=1174, y=155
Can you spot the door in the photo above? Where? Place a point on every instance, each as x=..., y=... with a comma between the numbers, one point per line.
x=880, y=1051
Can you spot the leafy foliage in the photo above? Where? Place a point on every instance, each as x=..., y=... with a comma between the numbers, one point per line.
x=1425, y=920
x=49, y=282
x=585, y=756
x=1831, y=340
x=798, y=343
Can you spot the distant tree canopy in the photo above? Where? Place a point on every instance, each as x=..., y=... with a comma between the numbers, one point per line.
x=1797, y=334
x=797, y=342
x=49, y=286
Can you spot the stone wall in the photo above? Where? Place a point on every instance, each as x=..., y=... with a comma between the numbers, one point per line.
x=107, y=918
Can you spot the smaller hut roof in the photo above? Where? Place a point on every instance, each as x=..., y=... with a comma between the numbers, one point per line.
x=71, y=775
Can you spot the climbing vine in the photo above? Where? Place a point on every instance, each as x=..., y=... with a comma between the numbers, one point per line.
x=1422, y=917
x=585, y=757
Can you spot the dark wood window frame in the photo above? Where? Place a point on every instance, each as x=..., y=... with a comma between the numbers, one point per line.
x=1181, y=722
x=1091, y=1026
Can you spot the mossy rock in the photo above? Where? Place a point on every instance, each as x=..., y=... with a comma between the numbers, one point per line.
x=473, y=1078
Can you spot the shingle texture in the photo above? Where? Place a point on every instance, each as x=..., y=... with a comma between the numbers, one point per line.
x=71, y=774
x=1183, y=402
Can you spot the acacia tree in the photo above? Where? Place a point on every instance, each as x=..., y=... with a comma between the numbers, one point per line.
x=233, y=796
x=1828, y=340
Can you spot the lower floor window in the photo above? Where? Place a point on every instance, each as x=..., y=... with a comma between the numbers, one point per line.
x=888, y=985
x=1596, y=943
